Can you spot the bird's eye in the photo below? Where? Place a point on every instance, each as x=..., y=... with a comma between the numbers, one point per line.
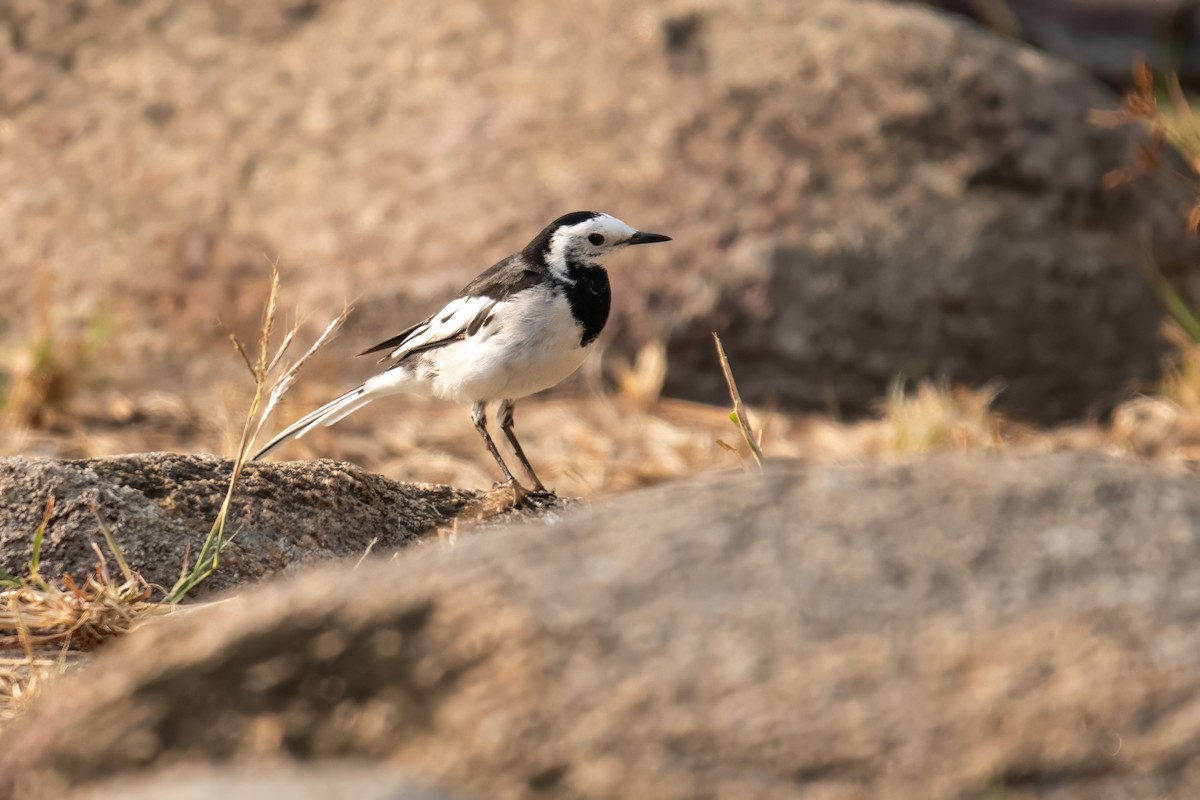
x=596, y=239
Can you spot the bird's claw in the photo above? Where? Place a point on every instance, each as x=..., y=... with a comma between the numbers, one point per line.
x=534, y=500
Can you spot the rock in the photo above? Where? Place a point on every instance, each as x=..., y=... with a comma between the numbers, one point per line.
x=158, y=505
x=946, y=217
x=286, y=782
x=1105, y=36
x=930, y=204
x=972, y=625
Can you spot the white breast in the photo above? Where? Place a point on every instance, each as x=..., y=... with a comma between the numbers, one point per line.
x=530, y=343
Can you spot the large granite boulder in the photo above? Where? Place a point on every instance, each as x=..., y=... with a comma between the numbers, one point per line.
x=969, y=626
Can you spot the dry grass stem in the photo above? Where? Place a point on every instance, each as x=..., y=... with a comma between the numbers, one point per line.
x=263, y=367
x=370, y=546
x=739, y=415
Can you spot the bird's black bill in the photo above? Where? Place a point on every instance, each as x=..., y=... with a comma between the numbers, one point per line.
x=648, y=238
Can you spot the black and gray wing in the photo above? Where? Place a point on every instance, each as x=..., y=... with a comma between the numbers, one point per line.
x=465, y=314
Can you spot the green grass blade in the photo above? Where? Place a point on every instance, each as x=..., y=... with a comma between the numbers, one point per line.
x=35, y=560
x=114, y=548
x=1179, y=310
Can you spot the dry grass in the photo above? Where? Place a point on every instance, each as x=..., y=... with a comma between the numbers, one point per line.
x=1166, y=424
x=1163, y=110
x=80, y=617
x=37, y=616
x=23, y=679
x=938, y=416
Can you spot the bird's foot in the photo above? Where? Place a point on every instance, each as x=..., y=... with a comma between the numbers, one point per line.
x=533, y=499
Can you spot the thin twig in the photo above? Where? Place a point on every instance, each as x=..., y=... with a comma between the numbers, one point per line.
x=366, y=553
x=262, y=405
x=739, y=415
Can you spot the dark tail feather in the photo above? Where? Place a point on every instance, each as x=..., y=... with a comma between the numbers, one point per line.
x=327, y=414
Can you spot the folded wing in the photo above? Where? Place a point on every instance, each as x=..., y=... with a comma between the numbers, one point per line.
x=461, y=316
x=465, y=314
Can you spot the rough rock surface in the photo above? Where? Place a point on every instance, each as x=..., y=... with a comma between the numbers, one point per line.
x=970, y=626
x=930, y=204
x=159, y=504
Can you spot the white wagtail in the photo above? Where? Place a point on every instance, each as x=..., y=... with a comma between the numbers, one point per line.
x=520, y=327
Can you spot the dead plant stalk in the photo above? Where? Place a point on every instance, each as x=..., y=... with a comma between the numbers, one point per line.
x=262, y=405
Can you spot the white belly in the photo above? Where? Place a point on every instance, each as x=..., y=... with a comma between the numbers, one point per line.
x=531, y=344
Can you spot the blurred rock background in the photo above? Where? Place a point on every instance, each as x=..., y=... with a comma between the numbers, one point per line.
x=858, y=191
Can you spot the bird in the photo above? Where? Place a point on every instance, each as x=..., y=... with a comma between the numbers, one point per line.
x=523, y=325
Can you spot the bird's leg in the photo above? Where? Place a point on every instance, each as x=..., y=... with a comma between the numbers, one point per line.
x=479, y=417
x=505, y=416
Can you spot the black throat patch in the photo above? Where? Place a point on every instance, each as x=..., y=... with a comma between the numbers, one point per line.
x=590, y=298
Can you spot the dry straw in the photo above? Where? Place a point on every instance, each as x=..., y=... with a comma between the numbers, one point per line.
x=41, y=620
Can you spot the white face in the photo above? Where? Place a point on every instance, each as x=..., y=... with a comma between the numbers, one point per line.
x=589, y=241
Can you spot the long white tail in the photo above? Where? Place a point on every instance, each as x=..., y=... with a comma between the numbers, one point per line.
x=333, y=411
